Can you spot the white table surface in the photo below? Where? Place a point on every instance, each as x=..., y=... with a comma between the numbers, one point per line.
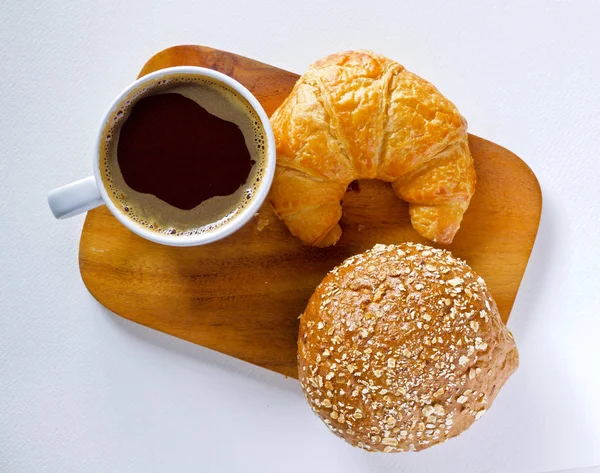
x=82, y=390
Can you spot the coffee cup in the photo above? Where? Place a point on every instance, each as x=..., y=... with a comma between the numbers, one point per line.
x=140, y=158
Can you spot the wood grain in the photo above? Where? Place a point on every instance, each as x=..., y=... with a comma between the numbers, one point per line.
x=242, y=296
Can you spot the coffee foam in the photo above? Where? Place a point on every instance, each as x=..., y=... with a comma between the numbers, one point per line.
x=156, y=215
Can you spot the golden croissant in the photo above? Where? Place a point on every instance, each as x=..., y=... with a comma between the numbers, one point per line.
x=359, y=115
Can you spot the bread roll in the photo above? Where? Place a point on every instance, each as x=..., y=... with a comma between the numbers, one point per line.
x=402, y=347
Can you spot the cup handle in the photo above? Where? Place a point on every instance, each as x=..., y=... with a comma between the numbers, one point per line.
x=75, y=198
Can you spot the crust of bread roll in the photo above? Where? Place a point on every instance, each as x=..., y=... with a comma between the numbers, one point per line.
x=402, y=347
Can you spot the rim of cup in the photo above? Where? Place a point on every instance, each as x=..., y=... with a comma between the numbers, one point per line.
x=237, y=221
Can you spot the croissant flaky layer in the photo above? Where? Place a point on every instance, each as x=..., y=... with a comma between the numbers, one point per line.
x=359, y=115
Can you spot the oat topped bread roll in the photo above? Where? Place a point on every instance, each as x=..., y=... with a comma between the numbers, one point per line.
x=402, y=347
x=359, y=115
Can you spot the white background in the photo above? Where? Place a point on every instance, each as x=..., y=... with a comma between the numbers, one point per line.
x=82, y=390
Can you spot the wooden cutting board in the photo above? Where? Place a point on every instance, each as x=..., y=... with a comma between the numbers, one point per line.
x=242, y=295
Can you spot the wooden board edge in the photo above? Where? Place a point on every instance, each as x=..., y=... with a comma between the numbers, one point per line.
x=285, y=370
x=537, y=190
x=185, y=50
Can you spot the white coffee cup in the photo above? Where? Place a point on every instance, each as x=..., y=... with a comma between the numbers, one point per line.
x=86, y=194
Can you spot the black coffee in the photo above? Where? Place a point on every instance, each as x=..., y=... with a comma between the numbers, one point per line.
x=184, y=156
x=171, y=147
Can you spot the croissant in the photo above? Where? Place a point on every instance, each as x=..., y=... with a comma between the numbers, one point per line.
x=359, y=115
